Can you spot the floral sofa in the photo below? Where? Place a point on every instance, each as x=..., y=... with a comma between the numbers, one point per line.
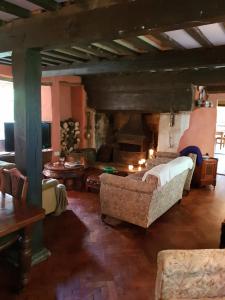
x=191, y=274
x=137, y=202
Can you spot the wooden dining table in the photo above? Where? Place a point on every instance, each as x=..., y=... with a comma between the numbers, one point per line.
x=16, y=217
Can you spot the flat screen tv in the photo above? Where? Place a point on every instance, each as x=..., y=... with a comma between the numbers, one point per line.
x=9, y=136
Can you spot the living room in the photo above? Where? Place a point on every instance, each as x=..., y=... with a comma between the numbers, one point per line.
x=124, y=199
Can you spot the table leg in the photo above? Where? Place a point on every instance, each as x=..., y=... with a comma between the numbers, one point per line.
x=25, y=257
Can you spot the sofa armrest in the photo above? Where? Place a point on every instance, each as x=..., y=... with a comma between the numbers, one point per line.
x=192, y=274
x=48, y=183
x=127, y=183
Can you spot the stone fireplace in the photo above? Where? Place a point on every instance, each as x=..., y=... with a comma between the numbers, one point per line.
x=131, y=134
x=132, y=143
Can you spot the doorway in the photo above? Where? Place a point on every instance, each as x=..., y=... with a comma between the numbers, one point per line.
x=219, y=150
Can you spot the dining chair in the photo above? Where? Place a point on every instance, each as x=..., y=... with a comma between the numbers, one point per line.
x=220, y=139
x=14, y=183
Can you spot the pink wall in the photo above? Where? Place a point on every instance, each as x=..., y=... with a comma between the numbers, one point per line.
x=56, y=101
x=5, y=71
x=46, y=103
x=61, y=88
x=201, y=131
x=65, y=101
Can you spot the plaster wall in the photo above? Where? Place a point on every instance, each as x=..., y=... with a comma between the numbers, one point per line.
x=169, y=137
x=46, y=103
x=201, y=131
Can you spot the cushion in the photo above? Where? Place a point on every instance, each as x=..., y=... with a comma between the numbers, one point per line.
x=104, y=153
x=167, y=154
x=166, y=172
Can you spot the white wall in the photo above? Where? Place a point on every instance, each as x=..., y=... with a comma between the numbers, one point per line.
x=169, y=137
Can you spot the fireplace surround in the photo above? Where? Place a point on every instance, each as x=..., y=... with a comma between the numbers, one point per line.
x=132, y=143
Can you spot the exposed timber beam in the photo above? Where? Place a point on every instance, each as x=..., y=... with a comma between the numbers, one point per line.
x=46, y=4
x=196, y=34
x=216, y=89
x=70, y=26
x=172, y=60
x=14, y=9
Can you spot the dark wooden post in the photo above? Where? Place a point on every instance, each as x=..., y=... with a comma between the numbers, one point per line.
x=27, y=115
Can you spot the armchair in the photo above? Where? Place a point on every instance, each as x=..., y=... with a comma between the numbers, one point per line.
x=54, y=197
x=191, y=274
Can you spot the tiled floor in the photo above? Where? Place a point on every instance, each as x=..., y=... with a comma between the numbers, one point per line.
x=91, y=260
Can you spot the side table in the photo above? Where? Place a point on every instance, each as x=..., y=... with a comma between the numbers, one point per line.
x=68, y=175
x=205, y=174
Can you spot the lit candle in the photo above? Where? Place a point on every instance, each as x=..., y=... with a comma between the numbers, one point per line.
x=130, y=167
x=139, y=168
x=150, y=153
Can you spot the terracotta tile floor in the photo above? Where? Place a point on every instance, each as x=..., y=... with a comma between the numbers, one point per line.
x=91, y=260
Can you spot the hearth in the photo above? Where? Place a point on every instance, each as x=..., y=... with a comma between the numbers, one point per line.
x=132, y=143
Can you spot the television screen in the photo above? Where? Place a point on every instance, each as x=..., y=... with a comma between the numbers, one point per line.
x=9, y=136
x=46, y=135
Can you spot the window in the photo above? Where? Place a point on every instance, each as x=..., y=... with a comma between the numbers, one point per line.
x=7, y=105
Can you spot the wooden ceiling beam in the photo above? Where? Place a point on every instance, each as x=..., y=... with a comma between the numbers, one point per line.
x=70, y=26
x=46, y=4
x=197, y=35
x=168, y=60
x=14, y=9
x=116, y=82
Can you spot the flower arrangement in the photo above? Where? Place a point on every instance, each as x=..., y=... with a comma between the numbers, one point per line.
x=70, y=136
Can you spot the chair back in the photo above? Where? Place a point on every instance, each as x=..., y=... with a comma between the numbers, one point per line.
x=14, y=183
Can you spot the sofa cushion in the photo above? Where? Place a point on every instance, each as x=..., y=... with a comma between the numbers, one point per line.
x=166, y=172
x=167, y=154
x=157, y=161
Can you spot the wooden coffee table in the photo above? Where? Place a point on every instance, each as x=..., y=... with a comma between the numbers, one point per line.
x=68, y=175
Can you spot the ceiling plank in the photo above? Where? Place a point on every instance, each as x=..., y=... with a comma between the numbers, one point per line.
x=14, y=9
x=55, y=59
x=161, y=61
x=197, y=35
x=46, y=4
x=130, y=45
x=74, y=53
x=62, y=57
x=170, y=42
x=96, y=52
x=118, y=49
x=141, y=44
x=68, y=27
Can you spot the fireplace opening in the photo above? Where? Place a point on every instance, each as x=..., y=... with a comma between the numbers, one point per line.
x=129, y=147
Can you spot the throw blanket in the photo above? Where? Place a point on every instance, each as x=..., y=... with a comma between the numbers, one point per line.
x=166, y=172
x=193, y=149
x=61, y=199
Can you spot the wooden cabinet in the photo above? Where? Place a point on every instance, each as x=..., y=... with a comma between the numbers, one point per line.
x=206, y=173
